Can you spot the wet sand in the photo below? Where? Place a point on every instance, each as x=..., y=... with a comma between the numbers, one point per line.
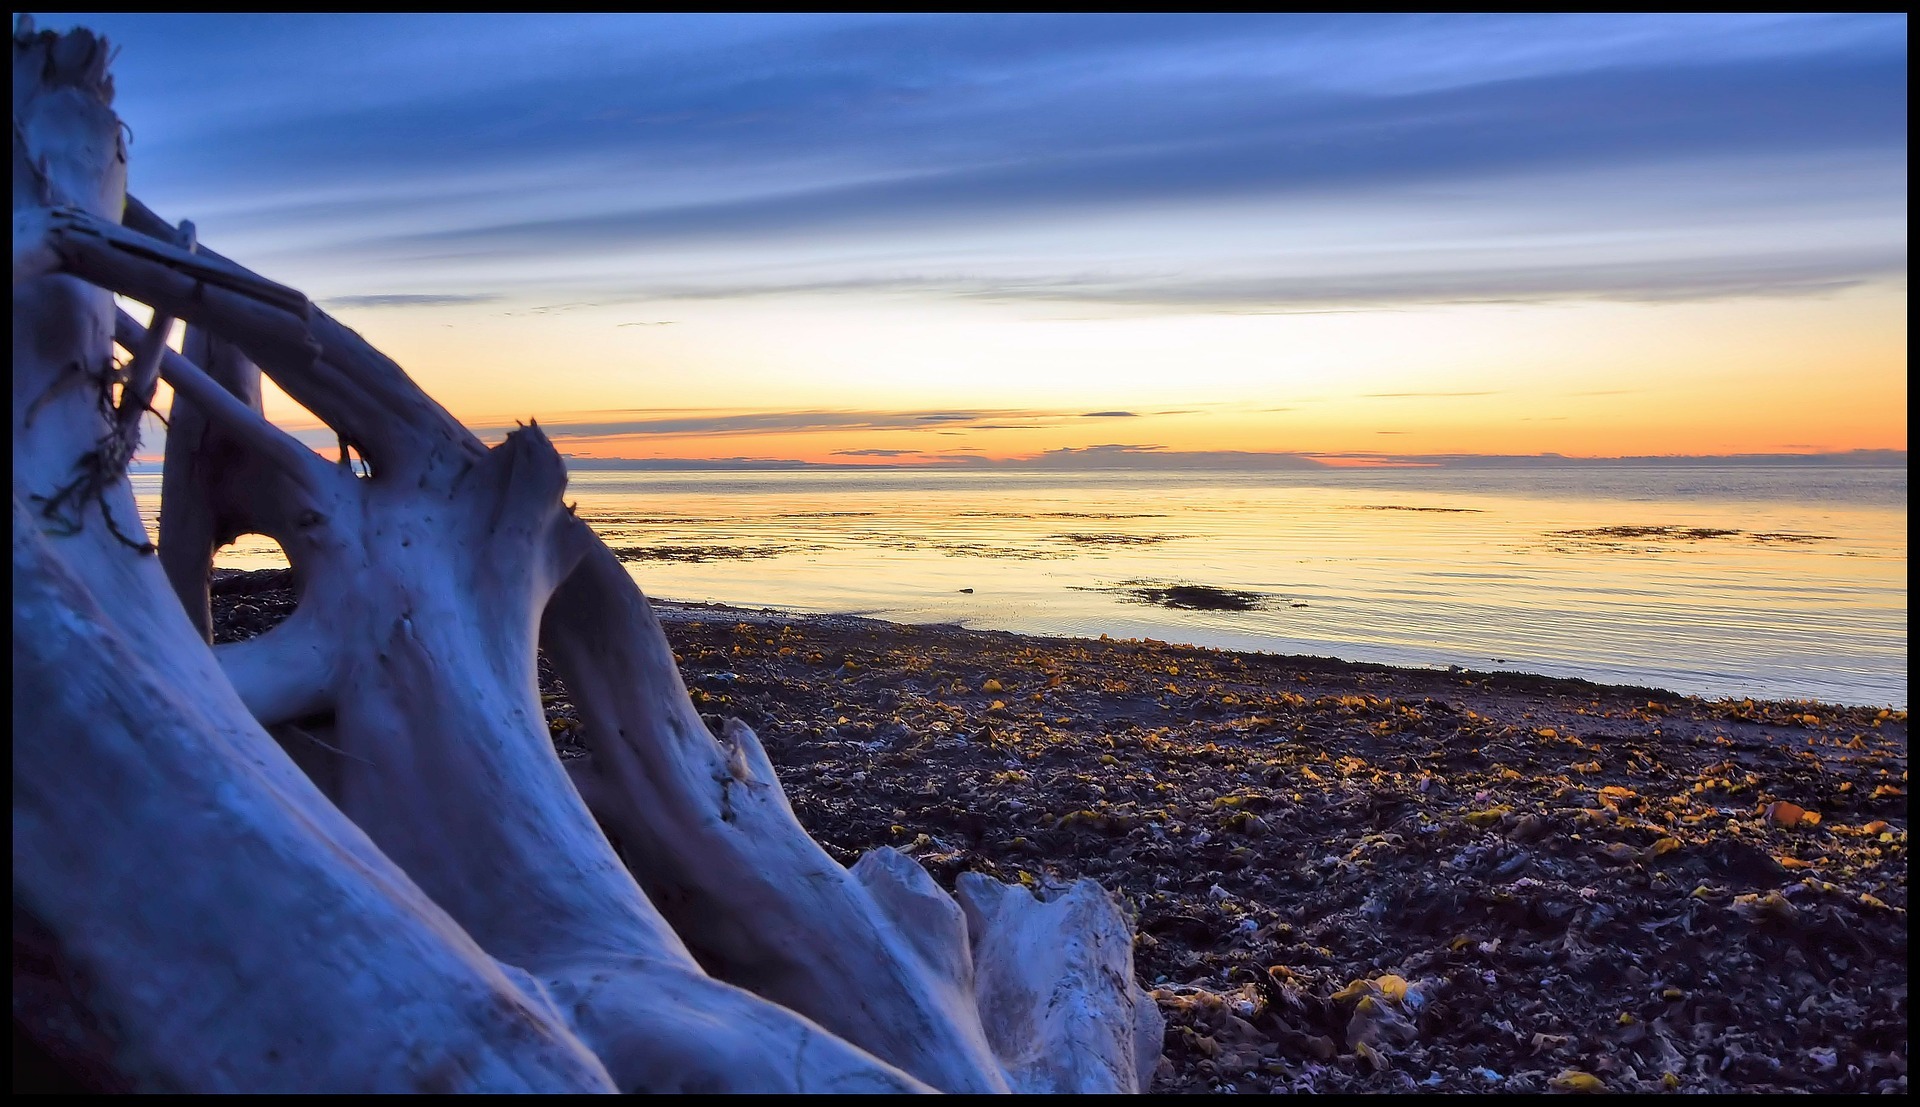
x=1356, y=877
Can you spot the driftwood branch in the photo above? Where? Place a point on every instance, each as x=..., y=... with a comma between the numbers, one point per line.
x=143, y=370
x=209, y=479
x=235, y=415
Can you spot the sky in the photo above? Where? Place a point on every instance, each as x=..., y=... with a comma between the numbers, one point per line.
x=886, y=239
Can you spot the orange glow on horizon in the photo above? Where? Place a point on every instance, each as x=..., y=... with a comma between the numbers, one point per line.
x=1811, y=375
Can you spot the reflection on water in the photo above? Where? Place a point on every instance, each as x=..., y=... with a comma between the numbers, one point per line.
x=1727, y=581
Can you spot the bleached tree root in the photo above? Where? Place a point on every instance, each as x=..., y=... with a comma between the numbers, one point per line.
x=878, y=954
x=190, y=913
x=183, y=920
x=1056, y=988
x=439, y=751
x=419, y=815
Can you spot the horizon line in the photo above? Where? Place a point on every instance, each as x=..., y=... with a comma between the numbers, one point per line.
x=1141, y=457
x=1097, y=457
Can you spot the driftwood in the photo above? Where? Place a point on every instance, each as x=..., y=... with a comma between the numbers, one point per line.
x=344, y=855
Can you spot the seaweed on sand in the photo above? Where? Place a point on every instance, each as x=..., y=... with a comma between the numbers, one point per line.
x=1683, y=533
x=694, y=553
x=1351, y=877
x=1116, y=539
x=1187, y=597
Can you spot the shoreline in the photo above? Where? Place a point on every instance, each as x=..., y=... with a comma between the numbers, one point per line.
x=1355, y=877
x=672, y=611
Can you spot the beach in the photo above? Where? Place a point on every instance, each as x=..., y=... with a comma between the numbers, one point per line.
x=1358, y=554
x=1359, y=877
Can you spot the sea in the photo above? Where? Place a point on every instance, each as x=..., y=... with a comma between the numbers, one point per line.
x=1774, y=581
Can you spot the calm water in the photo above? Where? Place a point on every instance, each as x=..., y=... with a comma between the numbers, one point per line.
x=1806, y=599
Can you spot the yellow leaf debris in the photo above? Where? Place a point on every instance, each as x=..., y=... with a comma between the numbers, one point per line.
x=1784, y=814
x=1573, y=1080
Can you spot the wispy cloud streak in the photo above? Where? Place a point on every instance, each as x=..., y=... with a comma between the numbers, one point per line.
x=728, y=424
x=408, y=299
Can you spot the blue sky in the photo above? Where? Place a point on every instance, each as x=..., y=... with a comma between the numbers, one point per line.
x=736, y=171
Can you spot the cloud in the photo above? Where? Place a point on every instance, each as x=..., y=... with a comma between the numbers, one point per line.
x=522, y=141
x=694, y=463
x=409, y=299
x=1151, y=456
x=1653, y=280
x=1148, y=141
x=1467, y=159
x=1848, y=459
x=1801, y=272
x=876, y=453
x=1110, y=415
x=709, y=423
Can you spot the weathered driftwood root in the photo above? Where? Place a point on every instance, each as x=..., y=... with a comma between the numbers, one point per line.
x=441, y=755
x=189, y=911
x=183, y=920
x=410, y=663
x=1056, y=987
x=803, y=932
x=878, y=954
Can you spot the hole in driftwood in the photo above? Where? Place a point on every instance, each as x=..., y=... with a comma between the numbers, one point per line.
x=250, y=602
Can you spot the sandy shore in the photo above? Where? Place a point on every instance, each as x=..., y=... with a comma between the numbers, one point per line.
x=1356, y=877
